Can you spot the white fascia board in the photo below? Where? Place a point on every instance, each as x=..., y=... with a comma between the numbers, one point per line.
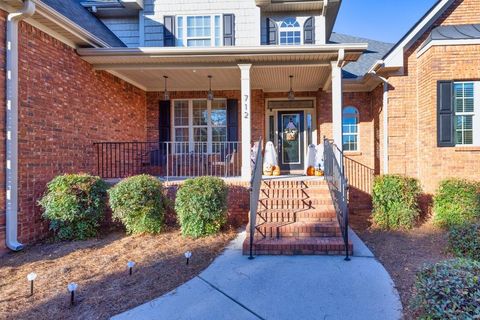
x=194, y=51
x=396, y=58
x=452, y=42
x=132, y=4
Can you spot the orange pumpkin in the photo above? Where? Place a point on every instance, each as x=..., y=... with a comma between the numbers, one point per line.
x=276, y=170
x=310, y=171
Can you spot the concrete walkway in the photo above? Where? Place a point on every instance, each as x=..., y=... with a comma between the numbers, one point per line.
x=281, y=287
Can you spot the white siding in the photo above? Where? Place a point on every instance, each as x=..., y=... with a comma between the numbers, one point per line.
x=247, y=17
x=127, y=29
x=319, y=24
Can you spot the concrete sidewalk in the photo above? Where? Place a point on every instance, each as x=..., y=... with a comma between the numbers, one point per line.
x=281, y=287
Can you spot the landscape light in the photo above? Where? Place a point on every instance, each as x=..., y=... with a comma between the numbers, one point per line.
x=188, y=255
x=130, y=265
x=71, y=288
x=31, y=277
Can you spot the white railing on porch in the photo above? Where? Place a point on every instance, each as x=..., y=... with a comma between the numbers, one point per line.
x=169, y=160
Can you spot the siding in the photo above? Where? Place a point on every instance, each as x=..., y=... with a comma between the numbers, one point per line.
x=127, y=29
x=247, y=17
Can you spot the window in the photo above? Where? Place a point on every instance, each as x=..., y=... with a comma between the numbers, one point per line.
x=199, y=125
x=290, y=32
x=350, y=129
x=199, y=31
x=464, y=106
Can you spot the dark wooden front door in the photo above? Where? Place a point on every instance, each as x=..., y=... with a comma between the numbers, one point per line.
x=291, y=144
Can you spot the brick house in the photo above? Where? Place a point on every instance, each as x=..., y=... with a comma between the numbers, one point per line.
x=182, y=88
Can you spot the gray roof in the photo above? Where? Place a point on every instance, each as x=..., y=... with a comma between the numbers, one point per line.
x=454, y=32
x=73, y=10
x=376, y=50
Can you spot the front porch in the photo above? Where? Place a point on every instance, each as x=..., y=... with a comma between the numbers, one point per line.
x=205, y=107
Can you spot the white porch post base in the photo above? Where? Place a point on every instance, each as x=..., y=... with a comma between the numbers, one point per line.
x=245, y=108
x=337, y=104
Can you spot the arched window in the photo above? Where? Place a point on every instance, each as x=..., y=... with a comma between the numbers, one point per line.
x=290, y=32
x=351, y=119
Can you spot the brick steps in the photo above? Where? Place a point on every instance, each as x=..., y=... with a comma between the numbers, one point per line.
x=292, y=246
x=296, y=218
x=300, y=229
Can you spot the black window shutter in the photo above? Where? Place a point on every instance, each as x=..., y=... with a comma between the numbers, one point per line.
x=272, y=32
x=228, y=30
x=445, y=114
x=309, y=31
x=164, y=121
x=232, y=120
x=169, y=31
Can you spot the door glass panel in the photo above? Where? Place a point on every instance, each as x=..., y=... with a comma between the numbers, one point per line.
x=291, y=138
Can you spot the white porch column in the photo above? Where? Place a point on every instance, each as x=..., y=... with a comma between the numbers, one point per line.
x=245, y=111
x=337, y=103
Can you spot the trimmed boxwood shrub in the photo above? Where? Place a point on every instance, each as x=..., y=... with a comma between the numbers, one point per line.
x=201, y=206
x=448, y=290
x=74, y=204
x=395, y=201
x=456, y=202
x=464, y=241
x=139, y=203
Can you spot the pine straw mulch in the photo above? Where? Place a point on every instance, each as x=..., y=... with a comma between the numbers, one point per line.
x=99, y=267
x=403, y=253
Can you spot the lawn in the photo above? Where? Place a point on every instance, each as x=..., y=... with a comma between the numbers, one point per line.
x=403, y=253
x=99, y=267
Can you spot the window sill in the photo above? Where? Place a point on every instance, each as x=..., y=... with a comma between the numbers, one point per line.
x=354, y=153
x=468, y=149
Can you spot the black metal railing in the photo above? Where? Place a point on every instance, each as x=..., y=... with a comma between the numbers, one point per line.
x=168, y=159
x=255, y=183
x=338, y=186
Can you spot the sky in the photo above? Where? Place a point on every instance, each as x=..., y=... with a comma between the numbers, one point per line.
x=383, y=20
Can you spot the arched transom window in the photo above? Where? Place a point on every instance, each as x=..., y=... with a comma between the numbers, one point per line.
x=350, y=136
x=290, y=32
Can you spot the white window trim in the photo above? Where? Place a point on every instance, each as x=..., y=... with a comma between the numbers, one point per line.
x=475, y=114
x=286, y=29
x=191, y=127
x=350, y=134
x=185, y=37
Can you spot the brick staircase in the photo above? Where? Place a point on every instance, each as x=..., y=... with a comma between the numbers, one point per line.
x=296, y=217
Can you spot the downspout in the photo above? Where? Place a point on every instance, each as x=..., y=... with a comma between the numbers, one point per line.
x=11, y=165
x=385, y=118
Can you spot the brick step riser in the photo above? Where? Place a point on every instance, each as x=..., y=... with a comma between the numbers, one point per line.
x=295, y=192
x=285, y=249
x=274, y=234
x=294, y=206
x=292, y=220
x=295, y=184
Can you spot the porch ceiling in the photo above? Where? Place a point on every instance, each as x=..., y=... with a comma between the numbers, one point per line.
x=188, y=68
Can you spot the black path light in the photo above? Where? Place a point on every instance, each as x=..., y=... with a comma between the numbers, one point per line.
x=130, y=265
x=31, y=277
x=188, y=255
x=72, y=287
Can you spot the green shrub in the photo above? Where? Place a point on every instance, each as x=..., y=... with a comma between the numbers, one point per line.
x=201, y=206
x=395, y=201
x=139, y=203
x=74, y=204
x=456, y=202
x=464, y=241
x=448, y=290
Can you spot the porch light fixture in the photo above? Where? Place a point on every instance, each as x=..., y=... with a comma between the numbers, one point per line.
x=210, y=92
x=166, y=94
x=291, y=94
x=31, y=277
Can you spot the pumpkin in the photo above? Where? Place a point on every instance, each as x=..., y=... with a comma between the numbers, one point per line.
x=267, y=169
x=310, y=171
x=276, y=170
x=318, y=172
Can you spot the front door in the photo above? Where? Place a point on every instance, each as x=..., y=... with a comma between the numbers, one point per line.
x=291, y=144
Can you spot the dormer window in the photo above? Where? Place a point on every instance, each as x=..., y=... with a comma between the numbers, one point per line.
x=290, y=32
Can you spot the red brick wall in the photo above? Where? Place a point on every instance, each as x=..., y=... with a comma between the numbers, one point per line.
x=64, y=106
x=412, y=106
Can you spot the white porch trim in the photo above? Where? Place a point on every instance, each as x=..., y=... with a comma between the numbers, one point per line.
x=337, y=103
